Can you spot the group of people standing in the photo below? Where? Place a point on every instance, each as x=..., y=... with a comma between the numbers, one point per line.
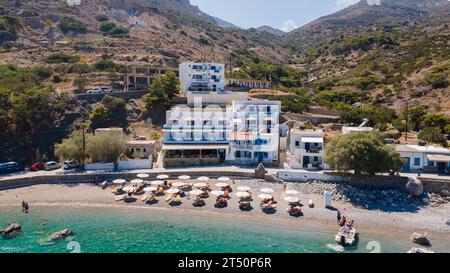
x=25, y=207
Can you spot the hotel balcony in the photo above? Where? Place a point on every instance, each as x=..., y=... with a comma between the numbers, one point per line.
x=310, y=152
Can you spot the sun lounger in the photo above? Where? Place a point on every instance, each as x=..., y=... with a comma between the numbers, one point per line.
x=119, y=198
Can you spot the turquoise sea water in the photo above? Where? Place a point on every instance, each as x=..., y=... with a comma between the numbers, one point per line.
x=122, y=230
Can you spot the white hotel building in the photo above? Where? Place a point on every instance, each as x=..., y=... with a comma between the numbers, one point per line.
x=306, y=149
x=245, y=133
x=206, y=81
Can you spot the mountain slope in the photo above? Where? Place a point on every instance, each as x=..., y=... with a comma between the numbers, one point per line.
x=164, y=32
x=396, y=52
x=271, y=30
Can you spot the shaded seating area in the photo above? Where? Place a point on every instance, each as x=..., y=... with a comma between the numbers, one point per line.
x=193, y=155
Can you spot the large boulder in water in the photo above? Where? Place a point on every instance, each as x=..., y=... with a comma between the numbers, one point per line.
x=60, y=235
x=12, y=230
x=414, y=187
x=420, y=239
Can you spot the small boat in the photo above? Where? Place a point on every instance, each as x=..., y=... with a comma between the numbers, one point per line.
x=347, y=238
x=420, y=251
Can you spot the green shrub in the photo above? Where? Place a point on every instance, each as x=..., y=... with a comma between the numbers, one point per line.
x=106, y=26
x=67, y=24
x=61, y=58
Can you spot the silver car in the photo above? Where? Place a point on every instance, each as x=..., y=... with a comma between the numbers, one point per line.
x=52, y=165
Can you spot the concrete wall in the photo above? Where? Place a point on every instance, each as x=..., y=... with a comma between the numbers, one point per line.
x=135, y=164
x=99, y=167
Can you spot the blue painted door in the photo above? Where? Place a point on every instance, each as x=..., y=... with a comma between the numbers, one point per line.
x=407, y=167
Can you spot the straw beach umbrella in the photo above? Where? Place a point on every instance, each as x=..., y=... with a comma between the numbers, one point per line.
x=244, y=188
x=243, y=194
x=222, y=185
x=157, y=183
x=119, y=181
x=267, y=190
x=203, y=178
x=196, y=192
x=142, y=175
x=137, y=181
x=224, y=179
x=265, y=196
x=129, y=189
x=217, y=193
x=173, y=191
x=150, y=189
x=291, y=192
x=291, y=199
x=184, y=177
x=162, y=176
x=178, y=184
x=200, y=185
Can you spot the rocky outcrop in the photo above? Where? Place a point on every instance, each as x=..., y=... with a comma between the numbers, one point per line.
x=420, y=239
x=11, y=230
x=59, y=235
x=414, y=187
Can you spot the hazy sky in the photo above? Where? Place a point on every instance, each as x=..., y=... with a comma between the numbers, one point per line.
x=282, y=14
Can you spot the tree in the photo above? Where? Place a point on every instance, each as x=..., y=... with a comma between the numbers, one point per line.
x=433, y=135
x=436, y=120
x=364, y=153
x=161, y=91
x=106, y=147
x=71, y=148
x=80, y=83
x=110, y=112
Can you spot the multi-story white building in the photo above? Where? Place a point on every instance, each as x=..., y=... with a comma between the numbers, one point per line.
x=306, y=149
x=206, y=81
x=255, y=132
x=202, y=77
x=246, y=132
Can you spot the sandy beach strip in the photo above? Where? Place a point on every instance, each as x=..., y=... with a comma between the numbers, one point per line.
x=431, y=220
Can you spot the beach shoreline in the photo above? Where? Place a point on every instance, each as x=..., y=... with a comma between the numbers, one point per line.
x=396, y=225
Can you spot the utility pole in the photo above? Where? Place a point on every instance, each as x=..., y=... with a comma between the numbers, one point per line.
x=84, y=125
x=126, y=77
x=407, y=120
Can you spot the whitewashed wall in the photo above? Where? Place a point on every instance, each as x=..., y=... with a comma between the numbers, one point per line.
x=99, y=167
x=135, y=164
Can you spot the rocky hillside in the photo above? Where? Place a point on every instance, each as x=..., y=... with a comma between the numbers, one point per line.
x=395, y=52
x=162, y=32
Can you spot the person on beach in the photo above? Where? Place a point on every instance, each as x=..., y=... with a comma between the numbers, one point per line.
x=339, y=216
x=23, y=206
x=26, y=207
x=343, y=221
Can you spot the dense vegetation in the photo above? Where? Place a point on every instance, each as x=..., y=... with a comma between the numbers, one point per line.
x=31, y=114
x=69, y=25
x=363, y=153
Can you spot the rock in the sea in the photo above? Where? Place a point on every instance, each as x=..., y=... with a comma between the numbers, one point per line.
x=414, y=187
x=12, y=230
x=60, y=235
x=420, y=239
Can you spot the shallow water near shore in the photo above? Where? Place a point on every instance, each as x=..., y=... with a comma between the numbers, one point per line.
x=123, y=230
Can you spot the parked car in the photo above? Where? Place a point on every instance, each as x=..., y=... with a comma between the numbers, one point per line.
x=70, y=165
x=95, y=91
x=10, y=167
x=52, y=165
x=107, y=89
x=37, y=166
x=390, y=141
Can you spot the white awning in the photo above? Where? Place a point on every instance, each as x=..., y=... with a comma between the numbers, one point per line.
x=312, y=139
x=194, y=147
x=439, y=158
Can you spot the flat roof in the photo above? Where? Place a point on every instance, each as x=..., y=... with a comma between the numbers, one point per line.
x=191, y=147
x=312, y=139
x=439, y=158
x=141, y=142
x=421, y=149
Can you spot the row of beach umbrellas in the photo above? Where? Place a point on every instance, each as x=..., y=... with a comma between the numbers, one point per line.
x=243, y=191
